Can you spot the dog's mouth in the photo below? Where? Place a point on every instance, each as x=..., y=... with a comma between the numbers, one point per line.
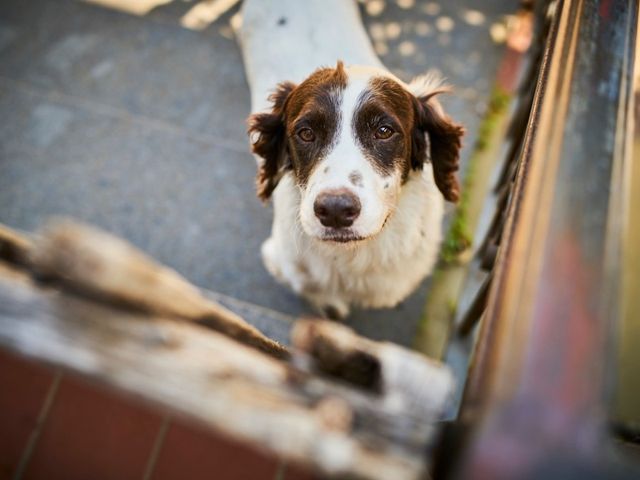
x=340, y=236
x=347, y=235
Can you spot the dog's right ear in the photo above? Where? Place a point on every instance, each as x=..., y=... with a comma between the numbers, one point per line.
x=268, y=136
x=444, y=135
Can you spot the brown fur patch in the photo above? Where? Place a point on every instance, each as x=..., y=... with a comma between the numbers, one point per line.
x=356, y=179
x=414, y=120
x=270, y=141
x=445, y=139
x=385, y=103
x=314, y=104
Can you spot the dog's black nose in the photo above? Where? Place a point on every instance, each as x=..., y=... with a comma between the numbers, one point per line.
x=337, y=209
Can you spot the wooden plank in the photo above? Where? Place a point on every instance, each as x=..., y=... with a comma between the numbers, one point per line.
x=207, y=376
x=297, y=409
x=100, y=265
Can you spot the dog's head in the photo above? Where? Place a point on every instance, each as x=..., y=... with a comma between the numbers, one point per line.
x=351, y=137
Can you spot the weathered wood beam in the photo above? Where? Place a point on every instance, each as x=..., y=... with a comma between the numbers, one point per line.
x=98, y=264
x=218, y=382
x=381, y=367
x=98, y=313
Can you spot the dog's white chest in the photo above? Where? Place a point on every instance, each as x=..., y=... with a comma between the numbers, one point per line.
x=377, y=273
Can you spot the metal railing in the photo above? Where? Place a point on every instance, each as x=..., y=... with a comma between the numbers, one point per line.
x=536, y=397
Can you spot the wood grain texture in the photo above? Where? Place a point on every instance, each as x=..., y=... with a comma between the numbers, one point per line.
x=99, y=313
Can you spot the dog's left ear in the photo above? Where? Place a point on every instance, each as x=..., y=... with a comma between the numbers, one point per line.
x=268, y=136
x=444, y=136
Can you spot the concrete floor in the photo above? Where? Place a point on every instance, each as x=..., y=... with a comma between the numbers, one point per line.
x=136, y=124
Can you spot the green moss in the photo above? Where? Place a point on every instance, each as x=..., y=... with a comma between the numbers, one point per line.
x=498, y=102
x=452, y=305
x=449, y=276
x=459, y=236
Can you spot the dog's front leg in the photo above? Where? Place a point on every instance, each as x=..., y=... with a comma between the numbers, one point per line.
x=303, y=279
x=282, y=266
x=328, y=305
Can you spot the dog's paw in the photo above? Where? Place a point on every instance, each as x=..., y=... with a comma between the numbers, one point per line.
x=335, y=311
x=270, y=259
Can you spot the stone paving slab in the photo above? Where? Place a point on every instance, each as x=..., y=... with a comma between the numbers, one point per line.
x=185, y=201
x=136, y=124
x=157, y=71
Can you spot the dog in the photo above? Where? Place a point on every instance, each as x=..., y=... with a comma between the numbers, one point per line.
x=358, y=164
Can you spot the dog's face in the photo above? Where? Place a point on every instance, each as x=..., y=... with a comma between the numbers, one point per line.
x=351, y=137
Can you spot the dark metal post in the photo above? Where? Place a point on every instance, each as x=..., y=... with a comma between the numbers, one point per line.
x=536, y=393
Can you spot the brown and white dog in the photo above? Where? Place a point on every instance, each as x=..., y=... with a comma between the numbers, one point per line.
x=358, y=164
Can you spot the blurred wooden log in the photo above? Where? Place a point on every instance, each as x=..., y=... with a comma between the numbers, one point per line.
x=282, y=408
x=100, y=265
x=380, y=367
x=14, y=246
x=408, y=387
x=343, y=405
x=192, y=371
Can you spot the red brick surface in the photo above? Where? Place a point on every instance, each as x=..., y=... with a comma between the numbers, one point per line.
x=91, y=434
x=193, y=454
x=294, y=472
x=23, y=388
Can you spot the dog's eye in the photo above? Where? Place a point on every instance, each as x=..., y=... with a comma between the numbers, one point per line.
x=383, y=132
x=306, y=135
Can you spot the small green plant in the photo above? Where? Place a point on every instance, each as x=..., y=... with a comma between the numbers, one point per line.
x=459, y=236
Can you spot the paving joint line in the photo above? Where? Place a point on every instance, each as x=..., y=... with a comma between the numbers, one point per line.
x=122, y=114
